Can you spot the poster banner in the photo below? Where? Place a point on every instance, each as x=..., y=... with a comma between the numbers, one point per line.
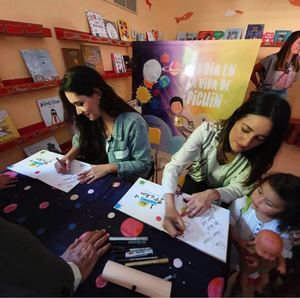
x=181, y=83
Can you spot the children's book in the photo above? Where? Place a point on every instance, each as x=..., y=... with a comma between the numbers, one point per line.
x=150, y=36
x=191, y=36
x=118, y=63
x=49, y=144
x=233, y=33
x=92, y=57
x=268, y=38
x=218, y=35
x=156, y=35
x=8, y=130
x=111, y=29
x=127, y=62
x=96, y=23
x=39, y=64
x=281, y=35
x=52, y=110
x=254, y=31
x=72, y=57
x=140, y=36
x=208, y=232
x=205, y=35
x=181, y=35
x=41, y=166
x=123, y=30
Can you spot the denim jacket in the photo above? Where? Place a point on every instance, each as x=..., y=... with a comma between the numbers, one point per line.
x=128, y=146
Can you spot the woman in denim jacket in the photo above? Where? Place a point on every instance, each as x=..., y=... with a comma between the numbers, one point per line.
x=111, y=134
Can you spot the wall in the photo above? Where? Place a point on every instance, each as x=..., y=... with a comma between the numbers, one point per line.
x=208, y=15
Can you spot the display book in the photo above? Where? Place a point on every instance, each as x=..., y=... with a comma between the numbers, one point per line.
x=233, y=33
x=92, y=57
x=123, y=30
x=72, y=57
x=201, y=35
x=207, y=233
x=51, y=109
x=49, y=144
x=281, y=35
x=96, y=23
x=39, y=64
x=41, y=166
x=8, y=131
x=254, y=31
x=118, y=63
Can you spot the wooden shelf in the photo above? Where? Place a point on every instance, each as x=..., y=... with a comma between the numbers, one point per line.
x=273, y=45
x=17, y=86
x=31, y=132
x=112, y=75
x=68, y=34
x=23, y=29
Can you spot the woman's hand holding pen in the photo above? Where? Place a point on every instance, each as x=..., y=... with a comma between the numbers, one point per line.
x=173, y=222
x=63, y=165
x=199, y=202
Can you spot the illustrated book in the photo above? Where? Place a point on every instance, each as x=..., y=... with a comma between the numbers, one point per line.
x=96, y=23
x=205, y=35
x=208, y=232
x=218, y=35
x=268, y=38
x=49, y=144
x=72, y=57
x=51, y=109
x=233, y=33
x=92, y=57
x=111, y=29
x=8, y=131
x=118, y=63
x=123, y=30
x=191, y=36
x=39, y=64
x=281, y=35
x=127, y=62
x=254, y=31
x=41, y=166
x=181, y=36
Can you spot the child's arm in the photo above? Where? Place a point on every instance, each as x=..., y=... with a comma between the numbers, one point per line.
x=281, y=265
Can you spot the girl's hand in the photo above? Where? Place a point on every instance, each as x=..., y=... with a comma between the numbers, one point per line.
x=199, y=202
x=63, y=165
x=173, y=222
x=7, y=181
x=96, y=172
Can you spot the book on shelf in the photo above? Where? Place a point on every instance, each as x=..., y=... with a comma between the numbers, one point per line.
x=254, y=31
x=268, y=38
x=51, y=109
x=205, y=35
x=72, y=57
x=123, y=30
x=39, y=64
x=150, y=36
x=92, y=57
x=191, y=36
x=140, y=36
x=8, y=131
x=127, y=62
x=96, y=23
x=49, y=144
x=111, y=30
x=181, y=35
x=218, y=35
x=281, y=35
x=233, y=33
x=157, y=35
x=118, y=63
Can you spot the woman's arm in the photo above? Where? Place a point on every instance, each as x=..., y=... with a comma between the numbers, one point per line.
x=257, y=70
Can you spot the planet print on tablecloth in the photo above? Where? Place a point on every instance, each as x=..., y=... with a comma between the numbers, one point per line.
x=74, y=197
x=158, y=218
x=215, y=287
x=44, y=205
x=174, y=68
x=100, y=282
x=116, y=184
x=131, y=227
x=90, y=191
x=27, y=187
x=177, y=263
x=10, y=208
x=111, y=214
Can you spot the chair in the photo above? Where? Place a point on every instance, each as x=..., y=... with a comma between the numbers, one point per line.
x=154, y=140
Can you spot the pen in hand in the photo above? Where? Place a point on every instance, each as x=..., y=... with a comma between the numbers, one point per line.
x=63, y=167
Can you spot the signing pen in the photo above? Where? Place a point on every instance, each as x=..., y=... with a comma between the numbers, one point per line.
x=128, y=238
x=128, y=242
x=61, y=163
x=148, y=262
x=137, y=259
x=126, y=249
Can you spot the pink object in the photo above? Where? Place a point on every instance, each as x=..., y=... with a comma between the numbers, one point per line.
x=116, y=184
x=100, y=282
x=10, y=208
x=44, y=205
x=131, y=227
x=158, y=218
x=11, y=174
x=36, y=172
x=215, y=287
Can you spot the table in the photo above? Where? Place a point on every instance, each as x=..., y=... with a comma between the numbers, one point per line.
x=57, y=218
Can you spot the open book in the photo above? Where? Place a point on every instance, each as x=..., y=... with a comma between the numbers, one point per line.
x=41, y=166
x=208, y=232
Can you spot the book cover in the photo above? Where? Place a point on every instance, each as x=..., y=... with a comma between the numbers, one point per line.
x=39, y=64
x=208, y=232
x=96, y=23
x=72, y=57
x=118, y=63
x=254, y=31
x=8, y=130
x=49, y=144
x=140, y=36
x=191, y=36
x=218, y=35
x=281, y=35
x=51, y=109
x=127, y=62
x=123, y=30
x=181, y=35
x=205, y=35
x=156, y=35
x=233, y=33
x=111, y=29
x=268, y=38
x=150, y=36
x=92, y=57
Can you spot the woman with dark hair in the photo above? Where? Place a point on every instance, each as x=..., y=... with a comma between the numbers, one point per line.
x=226, y=157
x=277, y=72
x=111, y=134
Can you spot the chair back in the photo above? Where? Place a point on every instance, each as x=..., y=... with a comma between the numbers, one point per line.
x=154, y=135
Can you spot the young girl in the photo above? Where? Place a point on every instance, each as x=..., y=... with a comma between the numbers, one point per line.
x=277, y=72
x=274, y=205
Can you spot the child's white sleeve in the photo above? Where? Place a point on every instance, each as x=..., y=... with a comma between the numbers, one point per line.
x=235, y=210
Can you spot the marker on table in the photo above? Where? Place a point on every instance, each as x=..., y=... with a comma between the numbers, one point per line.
x=148, y=262
x=137, y=259
x=145, y=238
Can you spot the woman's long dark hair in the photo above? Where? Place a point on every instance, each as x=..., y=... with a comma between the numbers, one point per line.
x=285, y=51
x=83, y=80
x=262, y=156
